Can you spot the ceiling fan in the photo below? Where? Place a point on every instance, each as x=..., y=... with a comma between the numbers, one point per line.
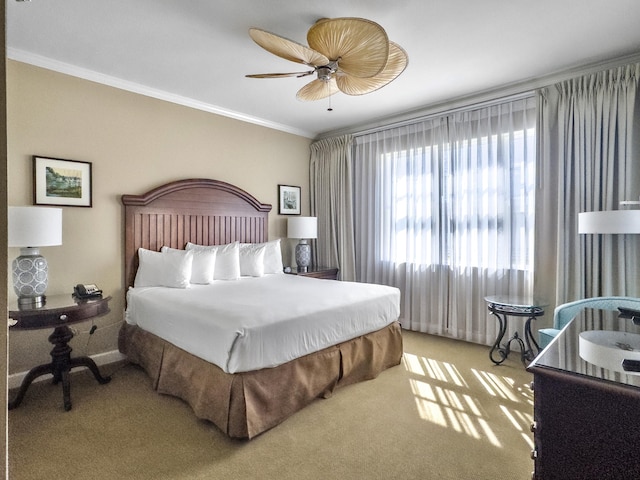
x=350, y=55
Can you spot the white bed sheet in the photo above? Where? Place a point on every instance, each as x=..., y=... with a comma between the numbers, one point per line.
x=262, y=322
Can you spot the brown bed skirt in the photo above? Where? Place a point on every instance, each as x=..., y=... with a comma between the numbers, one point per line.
x=246, y=404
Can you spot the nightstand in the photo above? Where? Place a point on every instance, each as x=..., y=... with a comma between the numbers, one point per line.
x=58, y=312
x=325, y=273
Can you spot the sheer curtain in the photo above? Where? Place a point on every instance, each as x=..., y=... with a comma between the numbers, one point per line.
x=331, y=203
x=591, y=132
x=444, y=210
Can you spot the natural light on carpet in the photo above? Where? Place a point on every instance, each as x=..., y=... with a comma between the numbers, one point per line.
x=444, y=397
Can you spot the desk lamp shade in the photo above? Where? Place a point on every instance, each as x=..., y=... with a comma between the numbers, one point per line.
x=612, y=221
x=302, y=228
x=31, y=228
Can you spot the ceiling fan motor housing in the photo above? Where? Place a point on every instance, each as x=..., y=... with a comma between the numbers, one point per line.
x=325, y=72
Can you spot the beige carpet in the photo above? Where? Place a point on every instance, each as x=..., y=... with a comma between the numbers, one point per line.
x=446, y=413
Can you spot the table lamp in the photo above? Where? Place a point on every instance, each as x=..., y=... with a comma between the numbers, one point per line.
x=303, y=228
x=31, y=228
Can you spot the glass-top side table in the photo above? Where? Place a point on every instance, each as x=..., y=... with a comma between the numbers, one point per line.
x=503, y=306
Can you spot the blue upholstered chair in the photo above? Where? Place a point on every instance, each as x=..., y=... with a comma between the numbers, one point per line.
x=564, y=313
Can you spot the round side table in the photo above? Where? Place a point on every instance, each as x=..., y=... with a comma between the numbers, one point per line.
x=504, y=306
x=58, y=312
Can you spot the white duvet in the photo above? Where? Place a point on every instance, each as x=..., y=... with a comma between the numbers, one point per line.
x=261, y=322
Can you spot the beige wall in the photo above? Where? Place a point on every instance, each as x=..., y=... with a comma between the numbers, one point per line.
x=135, y=143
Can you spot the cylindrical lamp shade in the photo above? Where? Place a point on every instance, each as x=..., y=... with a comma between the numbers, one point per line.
x=34, y=226
x=612, y=221
x=302, y=227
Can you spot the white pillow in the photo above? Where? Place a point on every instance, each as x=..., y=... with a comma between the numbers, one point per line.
x=252, y=259
x=227, y=259
x=204, y=262
x=168, y=269
x=272, y=256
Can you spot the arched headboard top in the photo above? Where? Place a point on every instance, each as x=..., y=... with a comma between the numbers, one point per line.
x=213, y=187
x=199, y=210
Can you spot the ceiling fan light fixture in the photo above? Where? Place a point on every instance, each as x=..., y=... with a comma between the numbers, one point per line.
x=352, y=55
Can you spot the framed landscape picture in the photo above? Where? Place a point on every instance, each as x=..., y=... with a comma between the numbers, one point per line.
x=288, y=200
x=61, y=182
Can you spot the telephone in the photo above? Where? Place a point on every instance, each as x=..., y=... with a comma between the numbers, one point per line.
x=86, y=291
x=630, y=313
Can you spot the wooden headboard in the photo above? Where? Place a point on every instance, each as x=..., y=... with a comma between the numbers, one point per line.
x=202, y=211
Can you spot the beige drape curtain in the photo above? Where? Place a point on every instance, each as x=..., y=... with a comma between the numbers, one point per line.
x=590, y=159
x=331, y=201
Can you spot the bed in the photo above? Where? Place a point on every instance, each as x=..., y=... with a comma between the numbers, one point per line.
x=246, y=380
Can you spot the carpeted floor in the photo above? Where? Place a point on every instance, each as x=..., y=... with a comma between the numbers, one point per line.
x=447, y=412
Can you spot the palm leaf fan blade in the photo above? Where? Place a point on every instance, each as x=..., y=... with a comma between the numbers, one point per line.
x=287, y=49
x=360, y=46
x=317, y=90
x=396, y=64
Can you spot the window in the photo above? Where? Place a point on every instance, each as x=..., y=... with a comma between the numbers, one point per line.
x=474, y=204
x=444, y=209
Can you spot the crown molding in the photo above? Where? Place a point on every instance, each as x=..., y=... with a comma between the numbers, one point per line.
x=93, y=76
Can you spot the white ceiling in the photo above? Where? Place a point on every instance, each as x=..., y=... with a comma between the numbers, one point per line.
x=197, y=52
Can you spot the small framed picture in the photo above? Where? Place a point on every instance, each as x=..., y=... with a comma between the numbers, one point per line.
x=288, y=200
x=61, y=182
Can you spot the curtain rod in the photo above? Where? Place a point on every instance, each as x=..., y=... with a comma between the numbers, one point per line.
x=446, y=111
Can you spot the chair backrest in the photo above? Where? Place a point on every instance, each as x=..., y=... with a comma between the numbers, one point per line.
x=563, y=314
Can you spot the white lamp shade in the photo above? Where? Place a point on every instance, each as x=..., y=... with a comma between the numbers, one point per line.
x=34, y=226
x=302, y=227
x=612, y=221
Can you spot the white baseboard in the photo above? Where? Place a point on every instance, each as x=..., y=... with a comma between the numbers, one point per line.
x=14, y=380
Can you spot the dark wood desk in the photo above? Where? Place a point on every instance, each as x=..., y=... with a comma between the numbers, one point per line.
x=586, y=417
x=58, y=312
